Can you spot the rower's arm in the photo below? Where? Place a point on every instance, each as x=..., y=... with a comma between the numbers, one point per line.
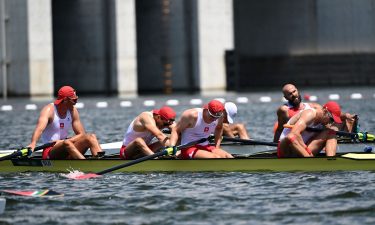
x=219, y=132
x=77, y=125
x=295, y=136
x=150, y=125
x=182, y=124
x=42, y=123
x=282, y=118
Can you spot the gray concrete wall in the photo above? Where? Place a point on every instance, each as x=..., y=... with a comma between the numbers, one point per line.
x=26, y=32
x=16, y=47
x=84, y=45
x=126, y=48
x=166, y=46
x=272, y=27
x=309, y=42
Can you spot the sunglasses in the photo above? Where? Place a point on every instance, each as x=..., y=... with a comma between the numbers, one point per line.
x=330, y=116
x=215, y=115
x=74, y=100
x=167, y=122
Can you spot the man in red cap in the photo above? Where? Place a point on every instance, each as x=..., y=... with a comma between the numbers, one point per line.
x=198, y=123
x=55, y=122
x=295, y=105
x=138, y=137
x=296, y=141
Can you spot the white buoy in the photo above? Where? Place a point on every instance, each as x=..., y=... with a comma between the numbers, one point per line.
x=313, y=98
x=242, y=100
x=356, y=96
x=265, y=99
x=31, y=107
x=149, y=103
x=79, y=105
x=334, y=97
x=126, y=103
x=6, y=108
x=196, y=101
x=172, y=102
x=102, y=104
x=2, y=205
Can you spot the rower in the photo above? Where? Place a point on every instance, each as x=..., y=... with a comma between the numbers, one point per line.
x=138, y=137
x=295, y=105
x=54, y=123
x=298, y=142
x=199, y=123
x=231, y=129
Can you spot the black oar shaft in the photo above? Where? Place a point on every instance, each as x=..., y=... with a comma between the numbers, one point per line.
x=249, y=141
x=161, y=153
x=340, y=133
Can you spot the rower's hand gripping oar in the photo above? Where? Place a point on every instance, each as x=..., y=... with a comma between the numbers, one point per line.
x=165, y=151
x=249, y=141
x=24, y=152
x=360, y=136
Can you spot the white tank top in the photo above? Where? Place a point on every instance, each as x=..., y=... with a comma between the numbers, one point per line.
x=59, y=128
x=200, y=130
x=131, y=135
x=306, y=135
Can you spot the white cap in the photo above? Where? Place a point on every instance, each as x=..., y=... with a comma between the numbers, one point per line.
x=231, y=110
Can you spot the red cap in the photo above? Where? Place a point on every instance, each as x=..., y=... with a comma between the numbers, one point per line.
x=166, y=112
x=214, y=106
x=335, y=110
x=65, y=92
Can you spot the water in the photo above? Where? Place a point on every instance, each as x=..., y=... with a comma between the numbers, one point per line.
x=189, y=198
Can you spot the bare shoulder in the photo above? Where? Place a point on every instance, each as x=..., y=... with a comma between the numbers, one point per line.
x=188, y=118
x=48, y=109
x=190, y=114
x=283, y=109
x=308, y=113
x=144, y=118
x=315, y=105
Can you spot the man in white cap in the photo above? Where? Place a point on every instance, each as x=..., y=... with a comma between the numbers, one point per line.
x=231, y=129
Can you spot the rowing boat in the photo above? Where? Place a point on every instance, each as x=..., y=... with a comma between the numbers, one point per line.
x=266, y=161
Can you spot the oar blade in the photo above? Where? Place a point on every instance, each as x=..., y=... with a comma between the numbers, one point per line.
x=84, y=176
x=33, y=193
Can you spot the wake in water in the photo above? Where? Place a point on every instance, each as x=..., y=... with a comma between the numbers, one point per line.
x=78, y=175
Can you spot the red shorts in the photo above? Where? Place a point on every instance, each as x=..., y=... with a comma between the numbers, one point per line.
x=123, y=154
x=280, y=154
x=46, y=151
x=189, y=153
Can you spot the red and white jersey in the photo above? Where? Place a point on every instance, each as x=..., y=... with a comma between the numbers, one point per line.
x=59, y=128
x=131, y=135
x=306, y=135
x=293, y=110
x=200, y=130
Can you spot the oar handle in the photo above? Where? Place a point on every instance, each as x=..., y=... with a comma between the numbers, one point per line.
x=26, y=151
x=249, y=141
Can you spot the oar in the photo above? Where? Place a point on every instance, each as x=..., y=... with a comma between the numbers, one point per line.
x=361, y=136
x=26, y=151
x=249, y=141
x=165, y=151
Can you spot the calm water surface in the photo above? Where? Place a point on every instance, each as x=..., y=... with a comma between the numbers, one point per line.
x=189, y=198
